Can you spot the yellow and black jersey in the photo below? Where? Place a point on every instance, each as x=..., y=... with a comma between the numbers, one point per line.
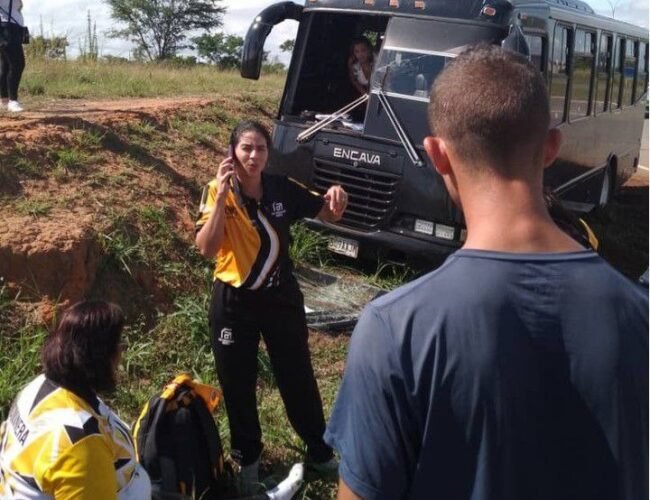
x=57, y=444
x=255, y=250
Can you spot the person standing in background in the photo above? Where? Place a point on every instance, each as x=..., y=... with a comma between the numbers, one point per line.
x=12, y=57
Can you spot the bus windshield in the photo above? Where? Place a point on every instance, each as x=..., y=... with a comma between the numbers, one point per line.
x=407, y=73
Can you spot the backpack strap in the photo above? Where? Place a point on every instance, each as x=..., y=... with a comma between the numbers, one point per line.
x=212, y=438
x=146, y=444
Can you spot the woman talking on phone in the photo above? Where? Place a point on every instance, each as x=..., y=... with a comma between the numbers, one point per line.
x=245, y=215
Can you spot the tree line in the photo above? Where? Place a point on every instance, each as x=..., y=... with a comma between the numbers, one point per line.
x=160, y=30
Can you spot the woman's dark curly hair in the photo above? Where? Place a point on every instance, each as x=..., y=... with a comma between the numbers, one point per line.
x=81, y=352
x=249, y=126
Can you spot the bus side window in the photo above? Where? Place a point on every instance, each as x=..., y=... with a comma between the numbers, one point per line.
x=629, y=67
x=581, y=70
x=617, y=76
x=603, y=67
x=559, y=73
x=536, y=51
x=642, y=73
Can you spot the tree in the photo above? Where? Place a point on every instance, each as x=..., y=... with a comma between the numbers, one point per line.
x=89, y=49
x=159, y=28
x=287, y=45
x=223, y=50
x=42, y=47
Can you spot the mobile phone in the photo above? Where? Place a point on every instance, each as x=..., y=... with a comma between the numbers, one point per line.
x=233, y=178
x=234, y=183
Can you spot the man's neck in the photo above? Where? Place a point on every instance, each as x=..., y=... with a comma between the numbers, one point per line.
x=510, y=216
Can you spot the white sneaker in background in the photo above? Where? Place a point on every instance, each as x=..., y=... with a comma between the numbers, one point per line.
x=290, y=486
x=14, y=107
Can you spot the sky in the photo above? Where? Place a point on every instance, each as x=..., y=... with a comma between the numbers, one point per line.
x=68, y=17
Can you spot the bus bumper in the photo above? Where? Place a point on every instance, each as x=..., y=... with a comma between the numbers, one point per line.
x=397, y=241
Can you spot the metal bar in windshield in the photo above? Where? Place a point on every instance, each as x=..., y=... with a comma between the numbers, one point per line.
x=305, y=135
x=399, y=130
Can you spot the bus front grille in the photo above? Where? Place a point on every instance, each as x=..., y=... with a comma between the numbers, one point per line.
x=371, y=194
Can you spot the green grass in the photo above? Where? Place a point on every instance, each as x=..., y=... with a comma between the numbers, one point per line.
x=34, y=208
x=69, y=160
x=20, y=345
x=101, y=80
x=19, y=359
x=308, y=246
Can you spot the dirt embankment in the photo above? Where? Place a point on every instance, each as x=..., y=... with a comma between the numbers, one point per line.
x=99, y=198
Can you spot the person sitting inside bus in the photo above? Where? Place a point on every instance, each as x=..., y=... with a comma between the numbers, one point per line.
x=60, y=440
x=360, y=62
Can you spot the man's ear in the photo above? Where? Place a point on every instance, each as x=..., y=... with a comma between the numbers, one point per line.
x=552, y=145
x=437, y=151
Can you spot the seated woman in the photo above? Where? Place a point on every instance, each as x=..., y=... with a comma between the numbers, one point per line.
x=360, y=63
x=60, y=440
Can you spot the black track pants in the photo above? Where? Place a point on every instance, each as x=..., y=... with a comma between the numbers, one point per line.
x=12, y=64
x=237, y=317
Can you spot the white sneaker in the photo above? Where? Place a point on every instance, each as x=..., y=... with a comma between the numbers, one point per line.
x=14, y=107
x=290, y=486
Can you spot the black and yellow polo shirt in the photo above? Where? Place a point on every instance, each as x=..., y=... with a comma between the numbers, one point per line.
x=255, y=250
x=57, y=444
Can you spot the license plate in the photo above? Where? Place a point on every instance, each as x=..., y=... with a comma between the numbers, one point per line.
x=344, y=246
x=446, y=232
x=423, y=226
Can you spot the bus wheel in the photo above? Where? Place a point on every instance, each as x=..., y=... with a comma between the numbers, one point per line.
x=606, y=190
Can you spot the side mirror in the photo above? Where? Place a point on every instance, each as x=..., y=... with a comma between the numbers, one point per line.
x=516, y=41
x=253, y=51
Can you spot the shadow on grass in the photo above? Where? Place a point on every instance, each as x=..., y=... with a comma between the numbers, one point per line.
x=112, y=142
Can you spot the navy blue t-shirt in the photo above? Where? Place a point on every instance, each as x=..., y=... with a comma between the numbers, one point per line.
x=499, y=376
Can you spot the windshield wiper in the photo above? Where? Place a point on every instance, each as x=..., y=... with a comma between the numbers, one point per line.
x=305, y=135
x=399, y=129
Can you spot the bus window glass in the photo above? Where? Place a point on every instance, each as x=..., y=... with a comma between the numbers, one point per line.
x=629, y=67
x=536, y=51
x=617, y=76
x=602, y=68
x=582, y=67
x=323, y=82
x=642, y=74
x=559, y=74
x=408, y=73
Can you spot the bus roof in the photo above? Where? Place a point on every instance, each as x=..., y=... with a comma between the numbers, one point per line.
x=466, y=9
x=463, y=9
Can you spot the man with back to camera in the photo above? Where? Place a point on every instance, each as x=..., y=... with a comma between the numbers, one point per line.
x=518, y=370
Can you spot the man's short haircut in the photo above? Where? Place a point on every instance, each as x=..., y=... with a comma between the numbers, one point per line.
x=80, y=353
x=491, y=105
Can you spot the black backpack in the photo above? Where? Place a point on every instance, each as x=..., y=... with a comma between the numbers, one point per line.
x=178, y=443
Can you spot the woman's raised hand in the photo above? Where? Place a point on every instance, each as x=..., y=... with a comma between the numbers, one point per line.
x=225, y=171
x=337, y=201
